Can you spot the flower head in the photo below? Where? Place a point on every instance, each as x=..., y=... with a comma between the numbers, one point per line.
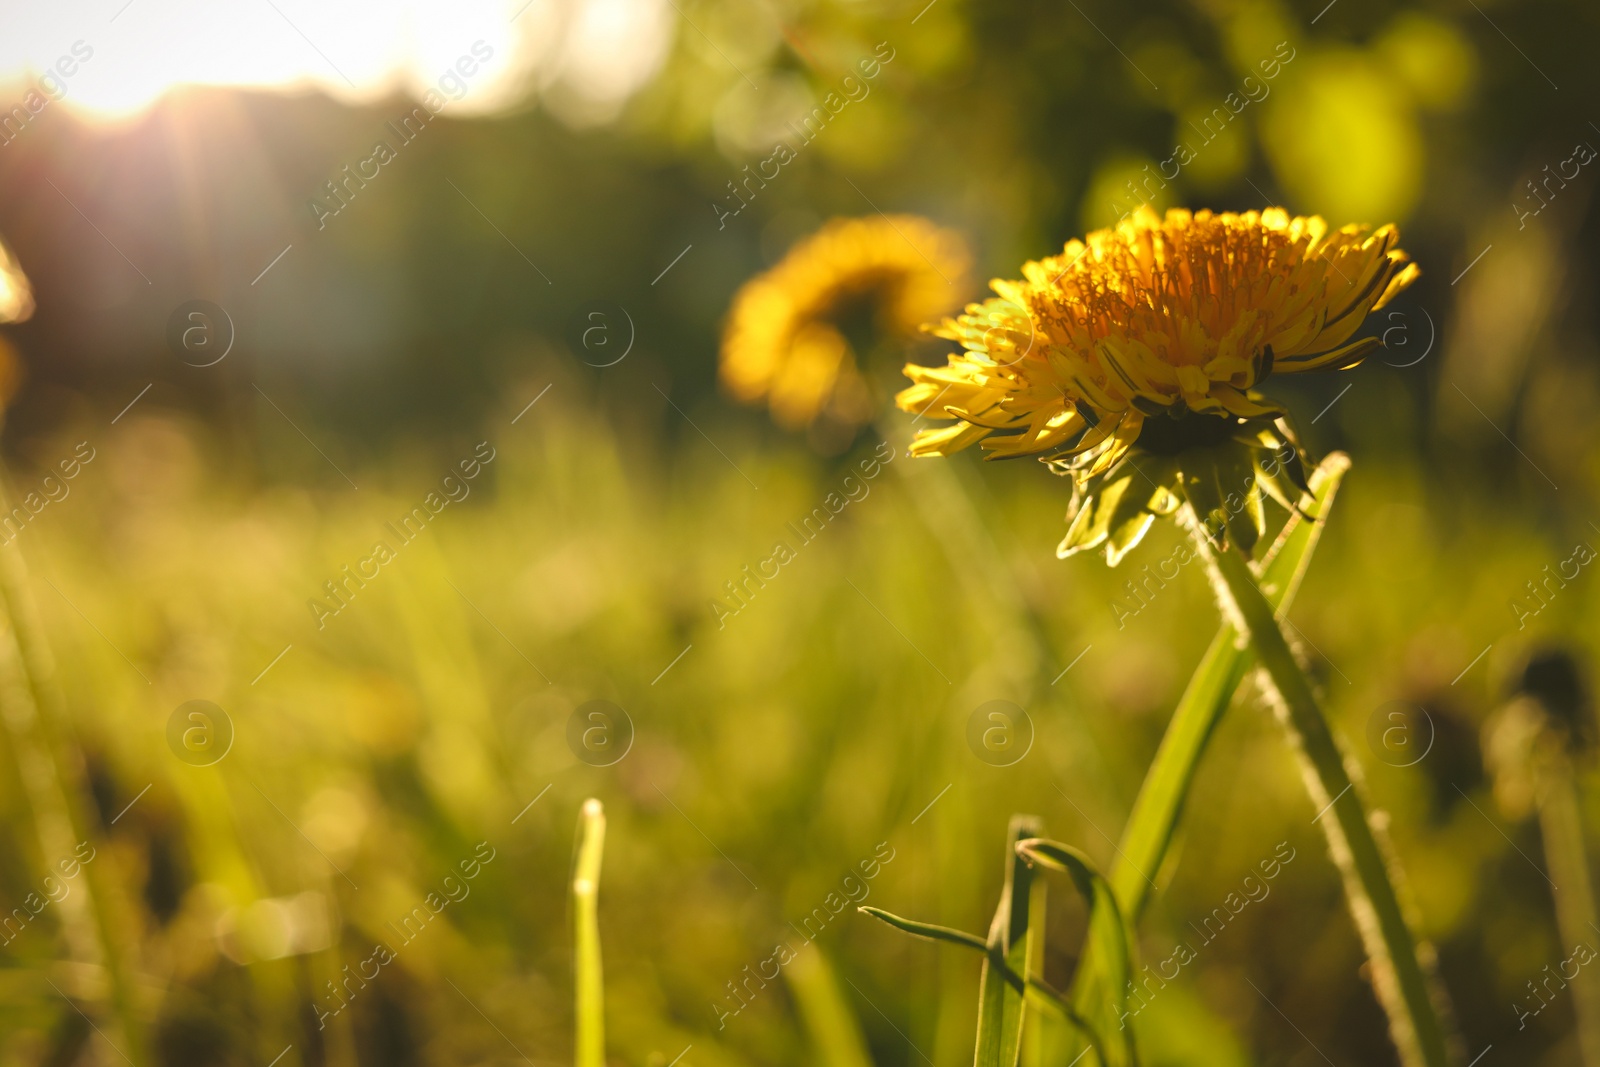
x=1150, y=337
x=783, y=342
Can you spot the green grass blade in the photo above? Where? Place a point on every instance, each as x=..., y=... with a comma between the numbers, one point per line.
x=1108, y=939
x=1000, y=1004
x=927, y=930
x=835, y=1034
x=1034, y=1046
x=588, y=985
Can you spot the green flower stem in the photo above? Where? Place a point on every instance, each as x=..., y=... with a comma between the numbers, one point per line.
x=1159, y=805
x=1151, y=825
x=590, y=989
x=1402, y=985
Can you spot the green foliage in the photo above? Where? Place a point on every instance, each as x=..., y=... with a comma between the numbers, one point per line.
x=1013, y=954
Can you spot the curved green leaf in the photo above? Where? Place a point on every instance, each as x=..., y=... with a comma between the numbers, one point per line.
x=1043, y=992
x=1109, y=939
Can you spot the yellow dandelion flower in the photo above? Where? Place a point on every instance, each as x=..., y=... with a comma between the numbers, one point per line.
x=783, y=343
x=1148, y=339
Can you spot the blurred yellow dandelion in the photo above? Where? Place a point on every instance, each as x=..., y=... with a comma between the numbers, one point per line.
x=783, y=343
x=1149, y=338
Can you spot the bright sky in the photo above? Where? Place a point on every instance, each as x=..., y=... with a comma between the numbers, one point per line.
x=128, y=52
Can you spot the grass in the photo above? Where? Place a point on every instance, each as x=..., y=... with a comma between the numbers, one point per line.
x=768, y=760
